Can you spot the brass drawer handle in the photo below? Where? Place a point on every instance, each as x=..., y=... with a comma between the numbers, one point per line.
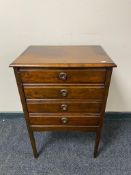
x=62, y=76
x=64, y=120
x=64, y=107
x=63, y=92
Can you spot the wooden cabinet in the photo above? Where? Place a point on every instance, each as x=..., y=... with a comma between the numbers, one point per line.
x=63, y=88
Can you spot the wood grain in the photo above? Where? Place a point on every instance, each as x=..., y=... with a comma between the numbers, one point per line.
x=63, y=88
x=71, y=92
x=71, y=120
x=38, y=75
x=54, y=106
x=63, y=128
x=64, y=56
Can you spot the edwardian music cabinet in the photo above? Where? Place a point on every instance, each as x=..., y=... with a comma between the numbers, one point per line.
x=63, y=88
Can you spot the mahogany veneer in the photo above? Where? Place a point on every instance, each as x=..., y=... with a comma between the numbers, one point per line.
x=63, y=88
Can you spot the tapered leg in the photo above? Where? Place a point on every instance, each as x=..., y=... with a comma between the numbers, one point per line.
x=98, y=136
x=33, y=144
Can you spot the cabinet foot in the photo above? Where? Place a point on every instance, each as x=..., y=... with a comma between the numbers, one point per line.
x=33, y=144
x=98, y=136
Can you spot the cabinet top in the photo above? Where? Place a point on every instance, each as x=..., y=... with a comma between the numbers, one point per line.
x=63, y=56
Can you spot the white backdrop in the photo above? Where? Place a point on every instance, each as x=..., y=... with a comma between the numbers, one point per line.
x=66, y=22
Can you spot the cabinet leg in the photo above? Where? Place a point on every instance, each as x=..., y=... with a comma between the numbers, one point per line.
x=33, y=144
x=98, y=136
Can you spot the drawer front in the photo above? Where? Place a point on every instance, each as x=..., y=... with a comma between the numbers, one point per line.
x=66, y=92
x=63, y=76
x=64, y=120
x=57, y=106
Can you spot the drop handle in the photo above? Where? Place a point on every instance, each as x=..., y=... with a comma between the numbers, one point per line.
x=62, y=76
x=64, y=120
x=63, y=92
x=64, y=107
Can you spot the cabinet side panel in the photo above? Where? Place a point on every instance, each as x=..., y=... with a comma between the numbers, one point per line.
x=107, y=85
x=26, y=114
x=22, y=95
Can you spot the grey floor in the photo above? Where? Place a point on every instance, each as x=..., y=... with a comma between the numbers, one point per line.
x=65, y=153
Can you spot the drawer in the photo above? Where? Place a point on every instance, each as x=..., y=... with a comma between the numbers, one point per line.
x=81, y=120
x=68, y=92
x=40, y=75
x=57, y=106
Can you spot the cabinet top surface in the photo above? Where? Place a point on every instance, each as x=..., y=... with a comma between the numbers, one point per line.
x=63, y=56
